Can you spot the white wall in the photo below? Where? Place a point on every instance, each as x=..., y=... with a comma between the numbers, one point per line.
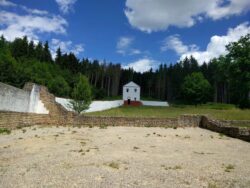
x=105, y=105
x=154, y=103
x=131, y=94
x=18, y=100
x=94, y=106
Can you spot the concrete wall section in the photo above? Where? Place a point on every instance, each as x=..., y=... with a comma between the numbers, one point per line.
x=13, y=99
x=94, y=106
x=154, y=103
x=21, y=100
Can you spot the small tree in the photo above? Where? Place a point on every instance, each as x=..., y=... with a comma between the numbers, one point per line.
x=81, y=95
x=196, y=89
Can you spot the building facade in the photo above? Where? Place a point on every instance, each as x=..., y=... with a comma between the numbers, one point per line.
x=131, y=94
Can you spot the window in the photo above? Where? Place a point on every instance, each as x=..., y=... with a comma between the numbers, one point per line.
x=135, y=98
x=127, y=90
x=135, y=90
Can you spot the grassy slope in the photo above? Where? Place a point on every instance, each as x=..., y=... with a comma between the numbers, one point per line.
x=218, y=111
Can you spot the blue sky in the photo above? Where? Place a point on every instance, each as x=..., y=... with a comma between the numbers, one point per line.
x=136, y=33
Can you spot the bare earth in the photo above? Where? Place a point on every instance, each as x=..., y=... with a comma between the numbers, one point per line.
x=122, y=157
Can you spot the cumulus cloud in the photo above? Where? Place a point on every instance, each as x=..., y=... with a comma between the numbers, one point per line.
x=155, y=15
x=65, y=46
x=66, y=5
x=142, y=65
x=124, y=46
x=174, y=42
x=34, y=11
x=13, y=25
x=7, y=3
x=215, y=47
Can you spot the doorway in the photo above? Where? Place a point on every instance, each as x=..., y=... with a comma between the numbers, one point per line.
x=129, y=101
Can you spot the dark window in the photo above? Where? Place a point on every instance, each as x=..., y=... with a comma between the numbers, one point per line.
x=135, y=90
x=135, y=98
x=127, y=90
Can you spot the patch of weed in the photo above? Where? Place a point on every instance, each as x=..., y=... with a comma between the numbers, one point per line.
x=221, y=134
x=80, y=151
x=229, y=168
x=103, y=126
x=177, y=167
x=113, y=165
x=212, y=185
x=4, y=131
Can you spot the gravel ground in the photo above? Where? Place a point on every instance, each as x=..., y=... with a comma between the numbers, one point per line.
x=122, y=157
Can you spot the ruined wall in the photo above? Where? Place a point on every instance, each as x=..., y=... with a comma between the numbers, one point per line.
x=13, y=99
x=125, y=121
x=224, y=127
x=21, y=100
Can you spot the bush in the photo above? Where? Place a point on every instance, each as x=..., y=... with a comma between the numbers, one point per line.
x=81, y=95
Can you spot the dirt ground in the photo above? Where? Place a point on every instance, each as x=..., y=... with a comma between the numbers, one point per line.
x=122, y=157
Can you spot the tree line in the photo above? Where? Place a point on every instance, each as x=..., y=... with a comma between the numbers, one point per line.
x=229, y=75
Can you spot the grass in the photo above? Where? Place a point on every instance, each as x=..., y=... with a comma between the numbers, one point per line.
x=113, y=165
x=177, y=167
x=4, y=131
x=217, y=111
x=229, y=168
x=103, y=126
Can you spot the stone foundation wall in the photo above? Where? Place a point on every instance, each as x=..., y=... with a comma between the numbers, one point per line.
x=125, y=121
x=12, y=120
x=225, y=128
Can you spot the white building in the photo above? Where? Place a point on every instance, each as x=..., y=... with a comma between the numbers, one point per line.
x=131, y=94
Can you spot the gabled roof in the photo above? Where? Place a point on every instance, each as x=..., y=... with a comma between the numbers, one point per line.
x=131, y=84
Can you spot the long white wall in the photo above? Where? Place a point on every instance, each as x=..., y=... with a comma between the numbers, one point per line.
x=18, y=100
x=94, y=106
x=105, y=105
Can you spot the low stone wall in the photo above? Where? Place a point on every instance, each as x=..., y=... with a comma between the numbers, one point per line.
x=225, y=128
x=12, y=120
x=125, y=121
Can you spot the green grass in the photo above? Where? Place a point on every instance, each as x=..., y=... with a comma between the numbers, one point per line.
x=217, y=111
x=4, y=131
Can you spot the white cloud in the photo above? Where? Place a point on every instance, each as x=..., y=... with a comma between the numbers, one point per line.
x=14, y=25
x=124, y=46
x=65, y=46
x=66, y=5
x=155, y=15
x=215, y=47
x=7, y=3
x=34, y=11
x=142, y=65
x=173, y=42
x=135, y=52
